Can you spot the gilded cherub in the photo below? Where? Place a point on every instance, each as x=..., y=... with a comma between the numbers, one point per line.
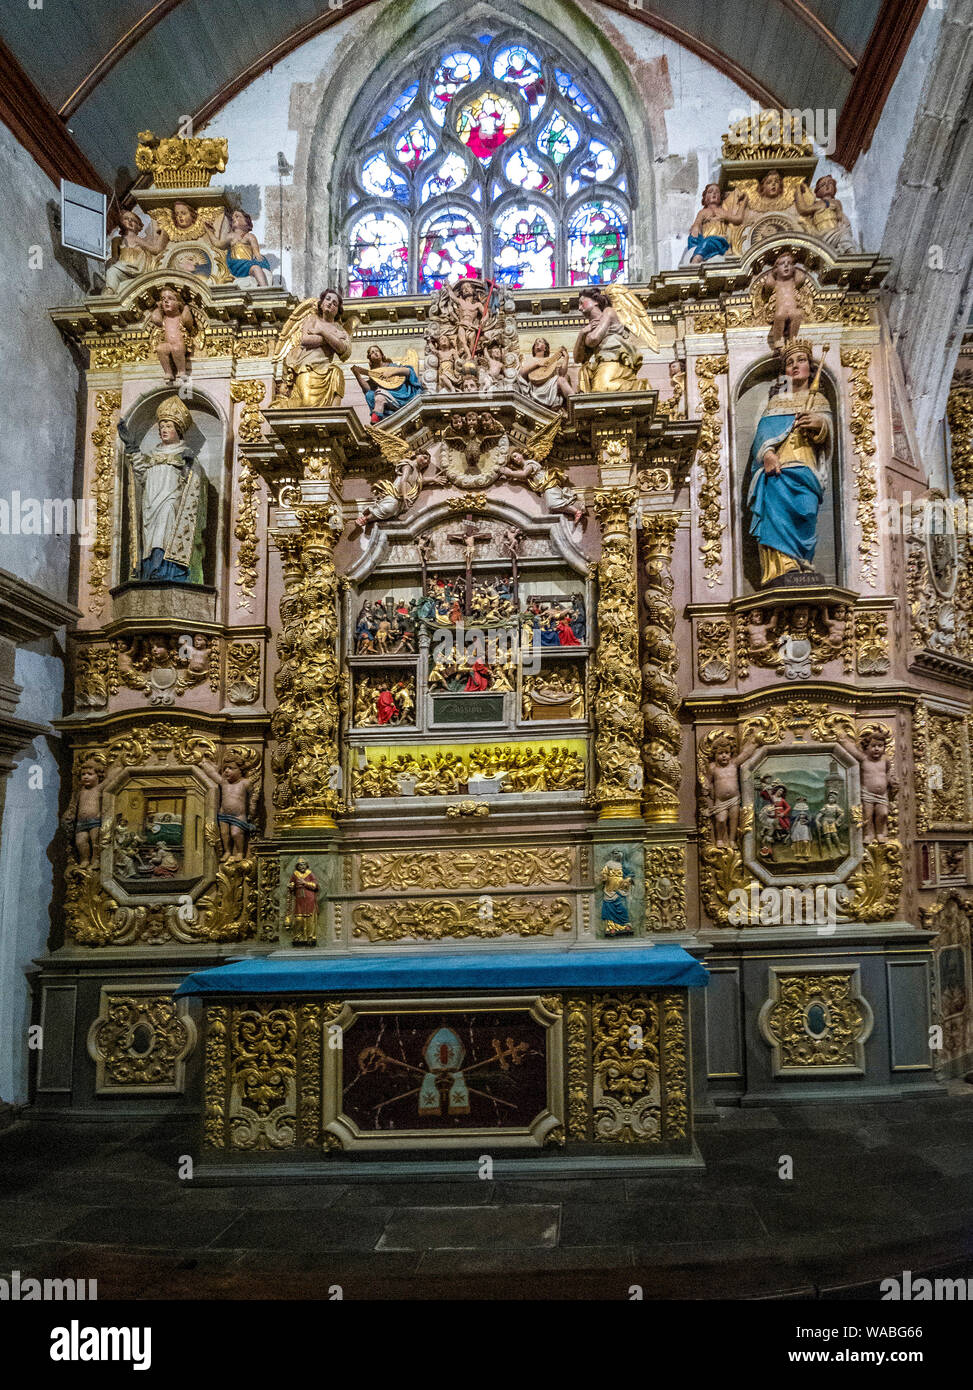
x=392, y=498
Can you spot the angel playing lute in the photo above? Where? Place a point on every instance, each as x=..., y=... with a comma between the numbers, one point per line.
x=528, y=468
x=606, y=348
x=313, y=343
x=394, y=496
x=388, y=385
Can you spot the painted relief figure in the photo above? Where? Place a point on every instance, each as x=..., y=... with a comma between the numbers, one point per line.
x=134, y=252
x=302, y=894
x=238, y=805
x=823, y=214
x=616, y=885
x=235, y=236
x=168, y=511
x=387, y=385
x=789, y=468
x=721, y=789
x=780, y=284
x=709, y=235
x=172, y=325
x=800, y=812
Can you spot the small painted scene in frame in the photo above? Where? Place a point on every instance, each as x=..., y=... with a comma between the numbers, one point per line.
x=801, y=812
x=952, y=858
x=149, y=841
x=444, y=1071
x=952, y=981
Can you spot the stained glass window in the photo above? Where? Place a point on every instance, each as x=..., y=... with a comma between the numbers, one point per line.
x=378, y=255
x=499, y=158
x=597, y=243
x=450, y=249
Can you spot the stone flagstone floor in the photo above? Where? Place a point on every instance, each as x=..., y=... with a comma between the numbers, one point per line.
x=877, y=1188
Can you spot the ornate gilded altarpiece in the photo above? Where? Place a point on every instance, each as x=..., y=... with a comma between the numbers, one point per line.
x=476, y=663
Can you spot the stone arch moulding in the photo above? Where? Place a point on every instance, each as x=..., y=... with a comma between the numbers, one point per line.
x=394, y=46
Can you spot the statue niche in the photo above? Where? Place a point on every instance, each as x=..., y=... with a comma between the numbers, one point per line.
x=788, y=472
x=171, y=465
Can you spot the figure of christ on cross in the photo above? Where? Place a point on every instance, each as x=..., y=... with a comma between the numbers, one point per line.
x=469, y=539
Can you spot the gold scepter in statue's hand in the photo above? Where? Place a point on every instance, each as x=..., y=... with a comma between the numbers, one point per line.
x=825, y=348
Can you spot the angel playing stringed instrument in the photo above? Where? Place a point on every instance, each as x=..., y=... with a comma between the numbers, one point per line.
x=528, y=468
x=388, y=385
x=394, y=496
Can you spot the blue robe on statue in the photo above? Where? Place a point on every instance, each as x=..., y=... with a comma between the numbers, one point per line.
x=706, y=246
x=402, y=395
x=784, y=506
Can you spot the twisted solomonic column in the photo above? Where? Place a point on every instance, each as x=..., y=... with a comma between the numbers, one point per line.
x=618, y=692
x=660, y=693
x=306, y=760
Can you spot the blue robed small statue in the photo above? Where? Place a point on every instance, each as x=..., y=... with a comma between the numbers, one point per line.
x=789, y=467
x=387, y=385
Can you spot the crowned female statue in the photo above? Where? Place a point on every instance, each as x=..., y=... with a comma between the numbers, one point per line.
x=789, y=468
x=168, y=512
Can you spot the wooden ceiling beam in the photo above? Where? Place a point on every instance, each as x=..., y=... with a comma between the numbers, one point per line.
x=40, y=129
x=115, y=54
x=877, y=70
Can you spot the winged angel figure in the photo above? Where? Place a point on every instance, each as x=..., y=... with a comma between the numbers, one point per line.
x=606, y=347
x=529, y=469
x=313, y=343
x=394, y=496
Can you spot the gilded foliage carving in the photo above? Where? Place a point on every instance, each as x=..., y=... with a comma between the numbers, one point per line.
x=263, y=1077
x=710, y=498
x=466, y=868
x=305, y=723
x=215, y=1077
x=959, y=413
x=713, y=651
x=675, y=1053
x=625, y=1066
x=310, y=1075
x=665, y=887
x=140, y=1042
x=107, y=403
x=876, y=885
x=862, y=426
x=249, y=394
x=242, y=672
x=577, y=1018
x=486, y=918
x=843, y=1020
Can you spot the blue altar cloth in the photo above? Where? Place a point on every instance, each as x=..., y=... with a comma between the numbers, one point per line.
x=651, y=966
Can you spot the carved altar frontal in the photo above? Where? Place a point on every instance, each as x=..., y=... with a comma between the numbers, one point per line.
x=294, y=1079
x=498, y=620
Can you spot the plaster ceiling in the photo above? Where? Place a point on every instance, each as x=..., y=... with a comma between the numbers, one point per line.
x=113, y=67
